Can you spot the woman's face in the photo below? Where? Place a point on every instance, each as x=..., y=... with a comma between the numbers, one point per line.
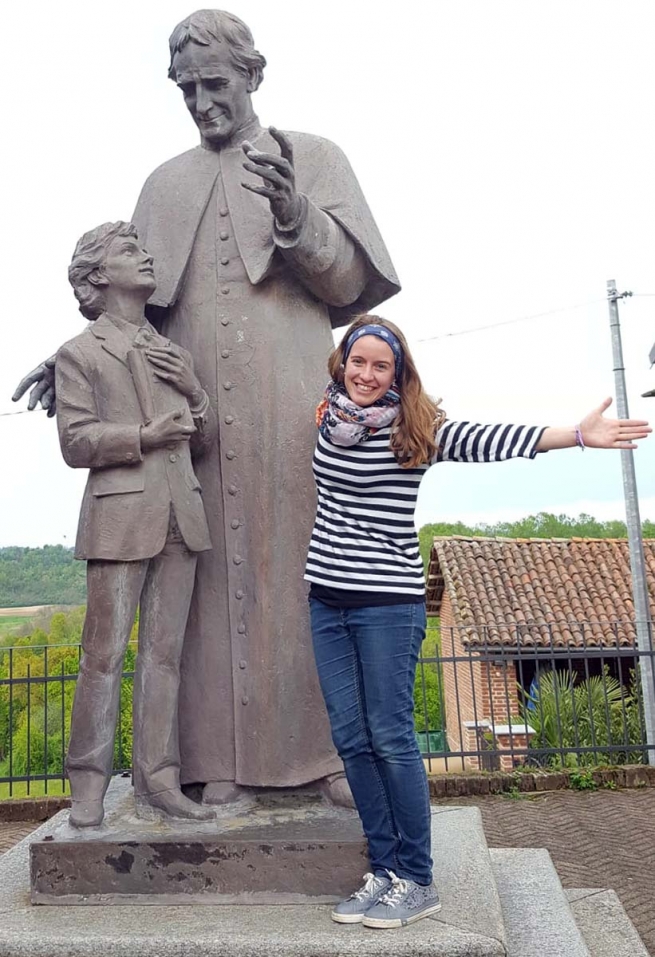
x=369, y=371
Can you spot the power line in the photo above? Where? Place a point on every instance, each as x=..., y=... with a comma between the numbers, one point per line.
x=510, y=322
x=536, y=315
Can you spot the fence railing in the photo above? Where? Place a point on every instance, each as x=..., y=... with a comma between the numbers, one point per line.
x=485, y=698
x=550, y=695
x=37, y=685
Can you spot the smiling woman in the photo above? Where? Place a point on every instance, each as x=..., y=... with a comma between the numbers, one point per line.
x=379, y=433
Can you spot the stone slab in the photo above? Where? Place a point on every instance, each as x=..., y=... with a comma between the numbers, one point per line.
x=464, y=928
x=287, y=849
x=538, y=919
x=605, y=926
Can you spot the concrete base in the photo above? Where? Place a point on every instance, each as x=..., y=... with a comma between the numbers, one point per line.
x=605, y=926
x=538, y=919
x=469, y=925
x=269, y=849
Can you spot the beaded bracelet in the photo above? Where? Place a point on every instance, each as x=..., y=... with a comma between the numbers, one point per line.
x=579, y=441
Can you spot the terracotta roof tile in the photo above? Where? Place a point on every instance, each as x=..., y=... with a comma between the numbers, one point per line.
x=571, y=591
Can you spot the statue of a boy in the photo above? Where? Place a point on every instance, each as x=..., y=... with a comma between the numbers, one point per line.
x=130, y=409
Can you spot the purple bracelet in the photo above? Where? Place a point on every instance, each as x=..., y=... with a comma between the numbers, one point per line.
x=579, y=441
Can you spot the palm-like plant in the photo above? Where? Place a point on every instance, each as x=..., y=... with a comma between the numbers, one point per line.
x=594, y=713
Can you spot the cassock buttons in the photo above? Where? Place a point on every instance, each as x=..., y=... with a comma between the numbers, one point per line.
x=225, y=321
x=227, y=386
x=232, y=489
x=241, y=629
x=235, y=523
x=242, y=664
x=229, y=419
x=222, y=211
x=244, y=699
x=230, y=454
x=238, y=593
x=225, y=353
x=225, y=290
x=172, y=458
x=224, y=234
x=224, y=260
x=237, y=559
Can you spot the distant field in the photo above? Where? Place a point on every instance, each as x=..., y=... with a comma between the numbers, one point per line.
x=7, y=624
x=25, y=612
x=9, y=620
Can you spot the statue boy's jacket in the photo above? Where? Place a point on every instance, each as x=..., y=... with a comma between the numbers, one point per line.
x=127, y=502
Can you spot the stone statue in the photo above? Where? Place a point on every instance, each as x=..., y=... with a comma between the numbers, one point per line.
x=130, y=409
x=257, y=258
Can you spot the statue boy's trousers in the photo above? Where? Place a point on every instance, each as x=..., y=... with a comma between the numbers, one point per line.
x=163, y=586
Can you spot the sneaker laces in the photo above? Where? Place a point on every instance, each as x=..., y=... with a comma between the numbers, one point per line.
x=371, y=884
x=399, y=888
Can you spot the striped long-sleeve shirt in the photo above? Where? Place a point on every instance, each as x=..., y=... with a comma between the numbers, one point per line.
x=364, y=539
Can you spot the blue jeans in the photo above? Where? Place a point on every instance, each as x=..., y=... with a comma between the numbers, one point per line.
x=366, y=660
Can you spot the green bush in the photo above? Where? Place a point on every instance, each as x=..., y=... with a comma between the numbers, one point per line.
x=429, y=705
x=591, y=714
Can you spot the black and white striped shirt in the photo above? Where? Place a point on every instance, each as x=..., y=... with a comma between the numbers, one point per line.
x=364, y=537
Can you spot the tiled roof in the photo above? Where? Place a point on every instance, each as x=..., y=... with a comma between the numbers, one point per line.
x=566, y=591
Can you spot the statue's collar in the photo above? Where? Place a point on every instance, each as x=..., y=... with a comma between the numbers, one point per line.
x=250, y=131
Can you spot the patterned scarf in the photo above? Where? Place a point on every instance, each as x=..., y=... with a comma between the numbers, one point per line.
x=343, y=422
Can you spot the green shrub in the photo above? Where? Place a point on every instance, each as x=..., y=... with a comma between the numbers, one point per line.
x=591, y=714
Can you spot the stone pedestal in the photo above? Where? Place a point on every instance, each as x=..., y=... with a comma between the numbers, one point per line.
x=275, y=848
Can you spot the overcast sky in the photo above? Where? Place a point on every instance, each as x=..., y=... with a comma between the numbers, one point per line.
x=505, y=148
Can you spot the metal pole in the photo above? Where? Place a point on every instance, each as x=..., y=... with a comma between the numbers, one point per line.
x=633, y=522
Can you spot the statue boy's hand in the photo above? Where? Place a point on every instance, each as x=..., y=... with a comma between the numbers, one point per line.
x=169, y=365
x=279, y=176
x=42, y=380
x=164, y=430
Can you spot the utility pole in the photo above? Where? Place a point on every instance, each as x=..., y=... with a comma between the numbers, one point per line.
x=635, y=540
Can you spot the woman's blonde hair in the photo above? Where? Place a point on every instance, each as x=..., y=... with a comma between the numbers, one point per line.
x=413, y=435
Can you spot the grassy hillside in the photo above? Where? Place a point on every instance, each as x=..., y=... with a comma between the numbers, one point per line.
x=41, y=576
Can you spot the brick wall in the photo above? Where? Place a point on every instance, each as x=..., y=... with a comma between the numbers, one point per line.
x=474, y=690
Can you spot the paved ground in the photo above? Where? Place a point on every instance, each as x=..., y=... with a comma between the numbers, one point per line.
x=599, y=839
x=11, y=834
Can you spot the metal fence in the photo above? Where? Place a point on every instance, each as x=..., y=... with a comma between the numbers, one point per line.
x=37, y=684
x=492, y=698
x=566, y=695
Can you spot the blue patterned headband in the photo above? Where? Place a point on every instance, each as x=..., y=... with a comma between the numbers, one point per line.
x=382, y=333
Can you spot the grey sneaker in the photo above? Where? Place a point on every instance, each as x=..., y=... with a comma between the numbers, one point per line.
x=402, y=904
x=352, y=910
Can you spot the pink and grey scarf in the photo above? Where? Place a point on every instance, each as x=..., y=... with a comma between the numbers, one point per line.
x=343, y=422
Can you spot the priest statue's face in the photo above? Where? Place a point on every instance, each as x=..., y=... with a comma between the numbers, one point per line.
x=216, y=93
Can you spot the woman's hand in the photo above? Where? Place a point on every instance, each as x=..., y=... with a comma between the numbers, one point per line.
x=601, y=433
x=597, y=432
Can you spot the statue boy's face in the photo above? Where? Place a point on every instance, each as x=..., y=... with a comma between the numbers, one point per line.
x=216, y=94
x=128, y=266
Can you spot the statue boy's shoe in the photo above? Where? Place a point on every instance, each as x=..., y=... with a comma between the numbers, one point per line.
x=174, y=804
x=403, y=903
x=86, y=813
x=352, y=909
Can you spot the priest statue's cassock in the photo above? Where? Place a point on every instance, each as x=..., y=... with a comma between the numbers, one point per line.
x=255, y=305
